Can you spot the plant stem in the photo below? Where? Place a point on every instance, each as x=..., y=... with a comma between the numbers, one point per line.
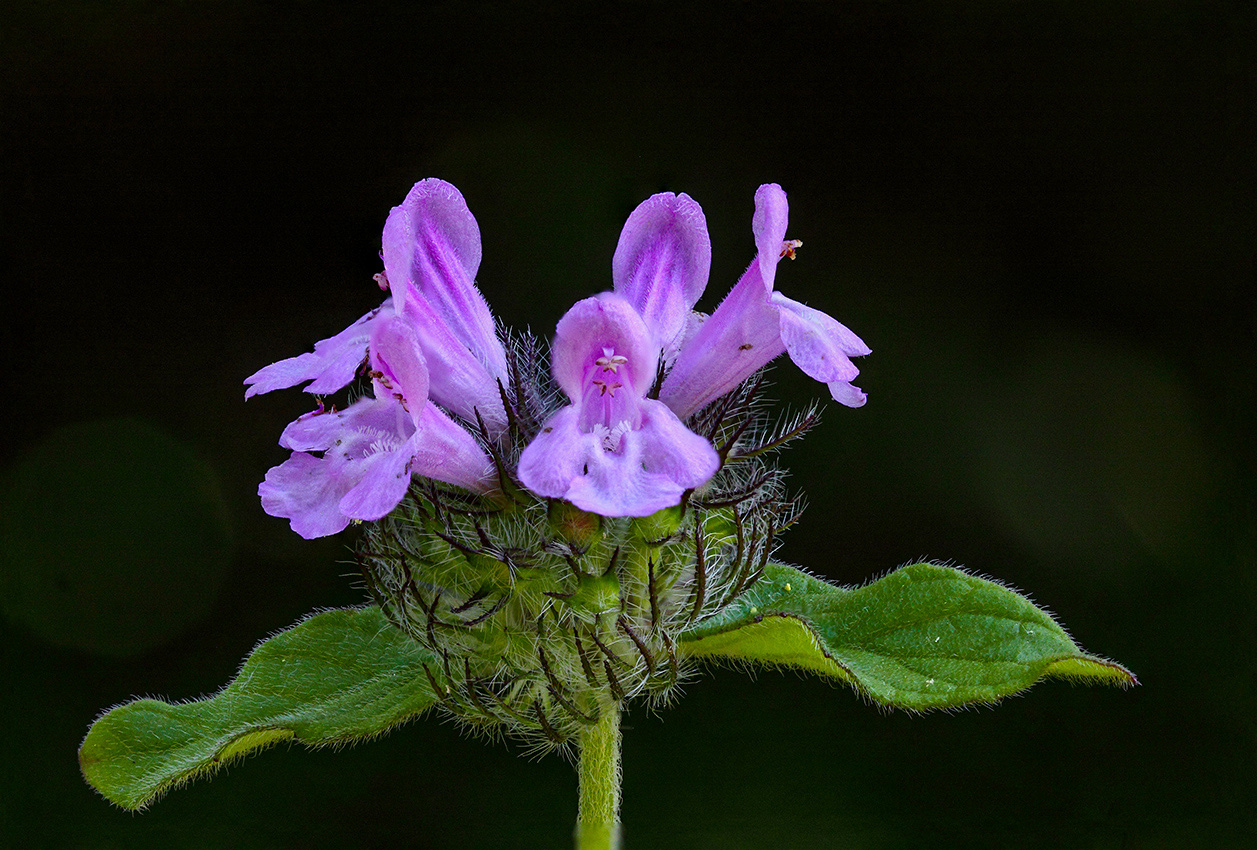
x=598, y=826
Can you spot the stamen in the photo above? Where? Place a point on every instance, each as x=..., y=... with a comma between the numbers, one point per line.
x=605, y=387
x=381, y=441
x=610, y=361
x=788, y=247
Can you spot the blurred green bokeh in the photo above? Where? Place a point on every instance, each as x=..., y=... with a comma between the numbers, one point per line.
x=113, y=538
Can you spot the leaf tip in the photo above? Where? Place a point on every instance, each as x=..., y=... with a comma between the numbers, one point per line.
x=1091, y=669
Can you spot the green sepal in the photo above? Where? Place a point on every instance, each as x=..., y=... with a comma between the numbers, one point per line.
x=334, y=678
x=925, y=636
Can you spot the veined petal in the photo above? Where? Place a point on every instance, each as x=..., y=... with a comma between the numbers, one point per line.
x=308, y=490
x=739, y=338
x=754, y=324
x=772, y=215
x=670, y=449
x=456, y=379
x=385, y=477
x=822, y=347
x=319, y=431
x=556, y=456
x=331, y=366
x=431, y=251
x=301, y=491
x=314, y=432
x=811, y=334
x=662, y=262
x=616, y=485
x=442, y=449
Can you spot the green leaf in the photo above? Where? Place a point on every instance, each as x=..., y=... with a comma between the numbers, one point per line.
x=925, y=636
x=334, y=678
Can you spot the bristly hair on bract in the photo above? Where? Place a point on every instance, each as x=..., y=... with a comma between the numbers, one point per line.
x=538, y=614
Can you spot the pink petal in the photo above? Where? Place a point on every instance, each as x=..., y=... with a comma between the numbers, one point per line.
x=383, y=482
x=649, y=469
x=308, y=490
x=331, y=366
x=456, y=378
x=314, y=432
x=300, y=490
x=556, y=456
x=670, y=449
x=605, y=321
x=396, y=356
x=738, y=339
x=822, y=347
x=662, y=262
x=442, y=449
x=816, y=342
x=772, y=214
x=431, y=250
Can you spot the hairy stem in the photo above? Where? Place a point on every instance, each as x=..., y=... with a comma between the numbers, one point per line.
x=598, y=826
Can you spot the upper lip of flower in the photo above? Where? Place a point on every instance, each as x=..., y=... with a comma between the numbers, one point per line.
x=661, y=264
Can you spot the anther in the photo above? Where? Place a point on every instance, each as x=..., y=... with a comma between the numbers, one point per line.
x=610, y=361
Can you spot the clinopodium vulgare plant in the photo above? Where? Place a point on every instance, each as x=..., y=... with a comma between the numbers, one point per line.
x=551, y=534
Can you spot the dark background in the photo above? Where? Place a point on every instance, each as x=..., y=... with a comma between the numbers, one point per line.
x=1039, y=215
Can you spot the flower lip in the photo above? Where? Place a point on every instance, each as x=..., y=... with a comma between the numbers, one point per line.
x=397, y=364
x=602, y=350
x=331, y=365
x=754, y=324
x=769, y=223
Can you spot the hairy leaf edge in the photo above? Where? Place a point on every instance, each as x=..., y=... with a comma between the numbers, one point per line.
x=228, y=751
x=1110, y=672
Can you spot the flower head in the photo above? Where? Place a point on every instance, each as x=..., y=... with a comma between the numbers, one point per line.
x=550, y=528
x=635, y=367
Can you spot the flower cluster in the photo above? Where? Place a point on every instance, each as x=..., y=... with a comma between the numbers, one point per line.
x=551, y=528
x=635, y=364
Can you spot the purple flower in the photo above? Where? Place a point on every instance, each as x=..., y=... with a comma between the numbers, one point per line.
x=754, y=324
x=431, y=251
x=612, y=451
x=435, y=358
x=433, y=341
x=371, y=449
